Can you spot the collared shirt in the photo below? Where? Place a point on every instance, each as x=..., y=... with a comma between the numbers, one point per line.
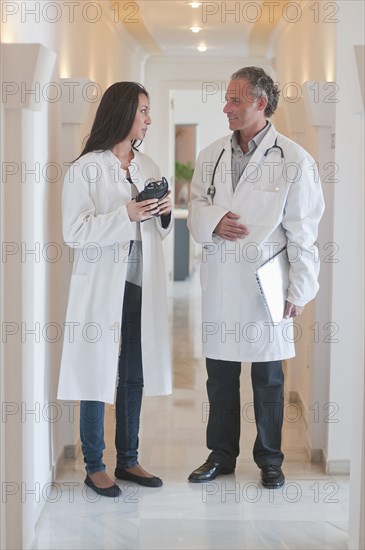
x=135, y=258
x=240, y=159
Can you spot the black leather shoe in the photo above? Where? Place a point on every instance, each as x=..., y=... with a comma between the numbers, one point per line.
x=208, y=471
x=112, y=491
x=145, y=481
x=272, y=477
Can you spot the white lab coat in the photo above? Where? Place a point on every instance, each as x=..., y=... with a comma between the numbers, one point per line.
x=96, y=224
x=281, y=202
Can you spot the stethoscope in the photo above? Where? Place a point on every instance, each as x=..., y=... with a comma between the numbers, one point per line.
x=275, y=146
x=211, y=189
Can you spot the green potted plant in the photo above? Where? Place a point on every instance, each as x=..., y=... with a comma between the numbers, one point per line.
x=183, y=171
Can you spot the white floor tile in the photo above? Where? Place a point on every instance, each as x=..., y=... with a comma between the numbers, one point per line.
x=234, y=511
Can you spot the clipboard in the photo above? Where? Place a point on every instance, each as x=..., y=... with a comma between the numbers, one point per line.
x=273, y=280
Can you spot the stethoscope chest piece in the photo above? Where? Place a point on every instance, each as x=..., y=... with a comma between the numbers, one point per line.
x=211, y=192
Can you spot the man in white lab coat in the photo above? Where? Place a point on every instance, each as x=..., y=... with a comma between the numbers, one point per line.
x=253, y=193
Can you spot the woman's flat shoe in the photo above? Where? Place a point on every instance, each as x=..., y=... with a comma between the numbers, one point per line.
x=145, y=481
x=113, y=491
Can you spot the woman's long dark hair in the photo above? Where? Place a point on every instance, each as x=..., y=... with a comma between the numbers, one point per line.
x=114, y=117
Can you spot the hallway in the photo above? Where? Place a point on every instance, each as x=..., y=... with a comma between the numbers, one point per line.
x=310, y=512
x=57, y=59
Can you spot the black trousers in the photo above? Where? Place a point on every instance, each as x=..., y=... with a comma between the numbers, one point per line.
x=224, y=422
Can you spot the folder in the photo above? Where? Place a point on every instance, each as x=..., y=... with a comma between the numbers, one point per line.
x=273, y=280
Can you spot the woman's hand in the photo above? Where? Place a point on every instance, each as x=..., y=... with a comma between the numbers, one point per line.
x=165, y=204
x=140, y=211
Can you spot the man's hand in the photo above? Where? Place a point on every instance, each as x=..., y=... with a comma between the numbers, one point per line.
x=228, y=228
x=292, y=310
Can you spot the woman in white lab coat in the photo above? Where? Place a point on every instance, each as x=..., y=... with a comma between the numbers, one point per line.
x=116, y=331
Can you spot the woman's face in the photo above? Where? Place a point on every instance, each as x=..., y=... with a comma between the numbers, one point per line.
x=142, y=119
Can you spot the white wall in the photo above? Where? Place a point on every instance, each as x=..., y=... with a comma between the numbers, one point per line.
x=348, y=208
x=103, y=52
x=208, y=76
x=189, y=108
x=335, y=374
x=309, y=372
x=347, y=361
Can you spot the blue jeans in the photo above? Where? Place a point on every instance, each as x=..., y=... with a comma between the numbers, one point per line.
x=92, y=435
x=128, y=399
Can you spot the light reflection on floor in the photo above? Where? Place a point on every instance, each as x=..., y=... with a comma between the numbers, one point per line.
x=234, y=511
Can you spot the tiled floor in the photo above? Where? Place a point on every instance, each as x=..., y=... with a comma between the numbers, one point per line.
x=310, y=512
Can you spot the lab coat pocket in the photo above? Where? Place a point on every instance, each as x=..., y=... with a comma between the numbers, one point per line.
x=77, y=298
x=265, y=207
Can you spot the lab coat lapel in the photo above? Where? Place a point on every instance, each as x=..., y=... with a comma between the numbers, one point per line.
x=224, y=171
x=137, y=173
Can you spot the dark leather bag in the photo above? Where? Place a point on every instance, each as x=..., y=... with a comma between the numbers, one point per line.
x=153, y=190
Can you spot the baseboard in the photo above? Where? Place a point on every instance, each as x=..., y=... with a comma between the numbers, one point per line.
x=319, y=456
x=69, y=452
x=338, y=467
x=295, y=397
x=316, y=456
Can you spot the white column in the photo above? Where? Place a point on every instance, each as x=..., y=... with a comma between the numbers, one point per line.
x=347, y=361
x=77, y=100
x=320, y=109
x=292, y=121
x=12, y=350
x=26, y=68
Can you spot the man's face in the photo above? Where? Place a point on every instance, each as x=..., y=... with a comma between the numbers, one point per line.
x=243, y=110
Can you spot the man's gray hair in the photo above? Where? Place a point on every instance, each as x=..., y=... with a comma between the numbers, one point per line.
x=262, y=85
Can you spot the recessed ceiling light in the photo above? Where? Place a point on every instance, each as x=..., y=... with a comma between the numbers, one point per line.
x=202, y=48
x=195, y=29
x=195, y=4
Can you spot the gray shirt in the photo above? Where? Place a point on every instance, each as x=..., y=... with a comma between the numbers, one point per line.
x=240, y=159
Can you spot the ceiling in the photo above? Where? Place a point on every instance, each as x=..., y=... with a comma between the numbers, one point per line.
x=228, y=28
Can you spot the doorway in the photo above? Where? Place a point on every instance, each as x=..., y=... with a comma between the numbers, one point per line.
x=185, y=152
